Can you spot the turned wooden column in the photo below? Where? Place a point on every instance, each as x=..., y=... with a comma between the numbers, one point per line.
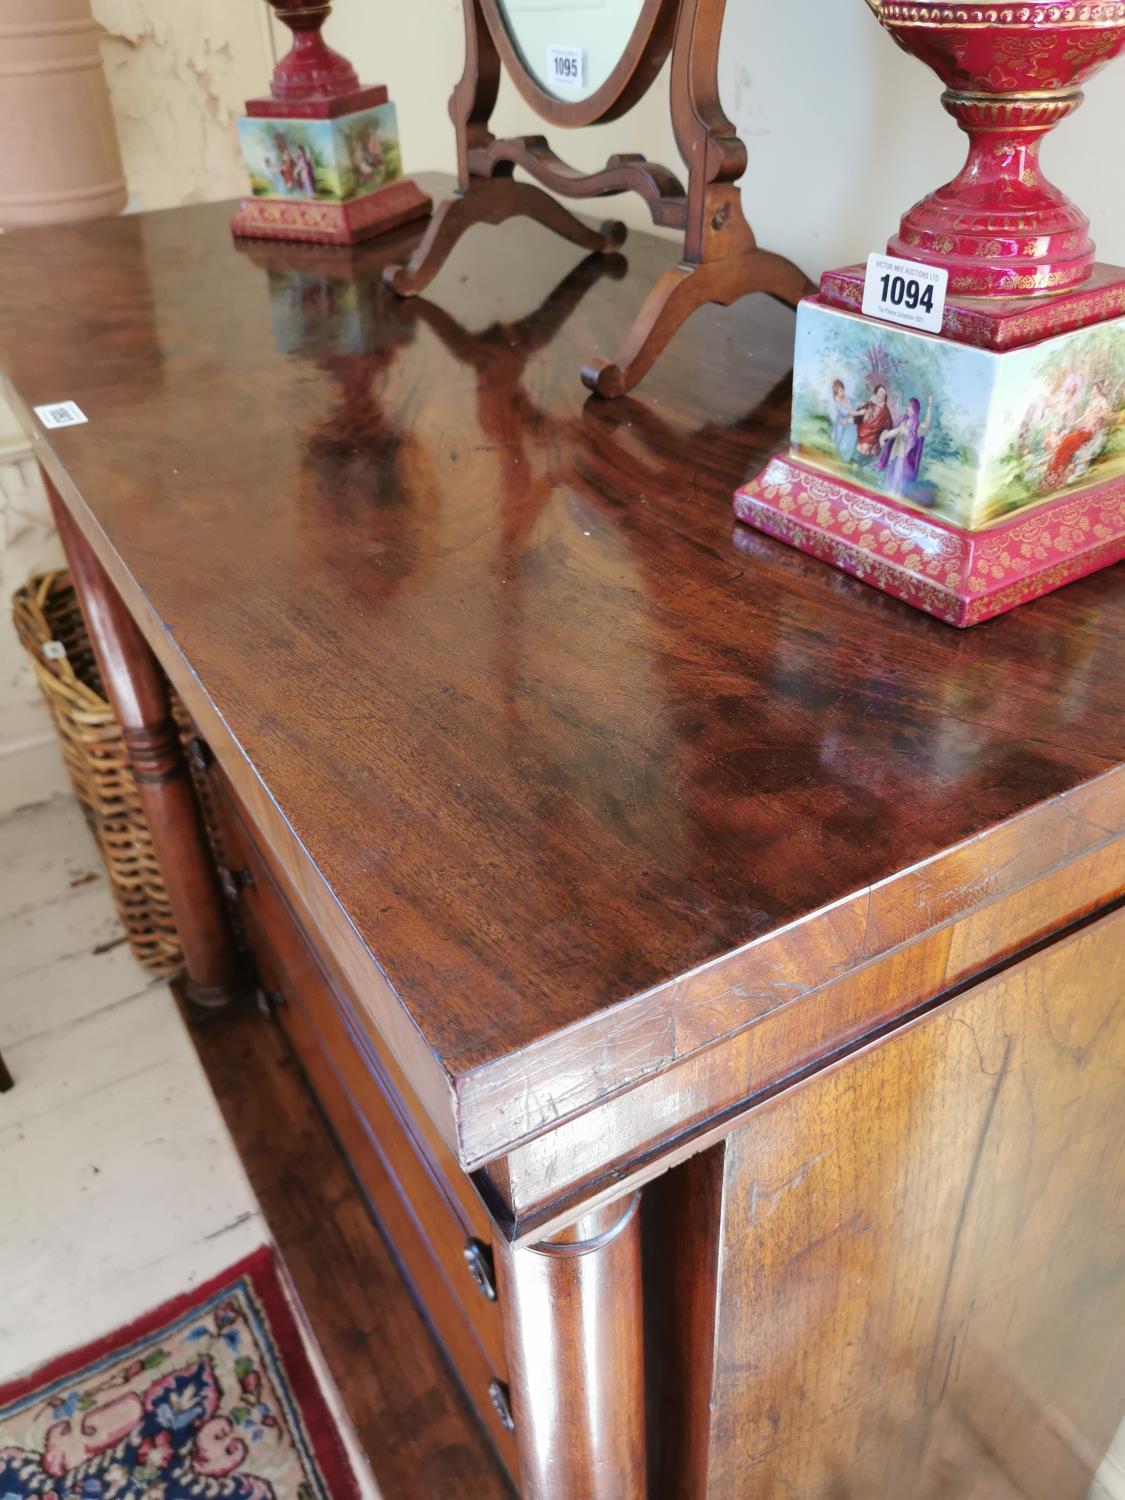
x=573, y=1320
x=135, y=686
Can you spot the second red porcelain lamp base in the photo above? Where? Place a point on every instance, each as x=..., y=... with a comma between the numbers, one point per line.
x=321, y=151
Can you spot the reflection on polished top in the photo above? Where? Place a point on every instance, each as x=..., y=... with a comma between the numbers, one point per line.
x=550, y=735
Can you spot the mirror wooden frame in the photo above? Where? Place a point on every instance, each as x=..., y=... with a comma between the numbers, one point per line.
x=634, y=74
x=721, y=261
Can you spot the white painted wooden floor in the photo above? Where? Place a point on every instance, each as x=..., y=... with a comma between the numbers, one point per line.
x=119, y=1185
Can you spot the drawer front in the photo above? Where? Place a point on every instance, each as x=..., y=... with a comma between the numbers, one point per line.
x=395, y=1191
x=445, y=1233
x=439, y=1230
x=261, y=891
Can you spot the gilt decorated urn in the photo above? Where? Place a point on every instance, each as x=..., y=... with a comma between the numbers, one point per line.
x=310, y=70
x=1011, y=73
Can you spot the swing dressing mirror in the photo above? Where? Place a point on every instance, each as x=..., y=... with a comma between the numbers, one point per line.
x=571, y=51
x=583, y=62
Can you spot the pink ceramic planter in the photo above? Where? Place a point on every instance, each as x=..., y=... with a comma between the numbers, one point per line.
x=61, y=160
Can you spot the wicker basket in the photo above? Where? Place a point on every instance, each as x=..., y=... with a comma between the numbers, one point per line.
x=51, y=628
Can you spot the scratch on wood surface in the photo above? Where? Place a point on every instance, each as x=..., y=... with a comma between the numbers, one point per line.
x=242, y=1218
x=988, y=1072
x=859, y=1223
x=770, y=1197
x=963, y=1213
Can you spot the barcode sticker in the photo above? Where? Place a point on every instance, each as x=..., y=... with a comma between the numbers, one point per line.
x=61, y=414
x=566, y=67
x=54, y=650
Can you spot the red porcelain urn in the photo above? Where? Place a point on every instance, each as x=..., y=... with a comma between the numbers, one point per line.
x=310, y=70
x=1011, y=73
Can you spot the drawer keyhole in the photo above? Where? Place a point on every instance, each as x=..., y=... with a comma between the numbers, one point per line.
x=498, y=1395
x=234, y=882
x=478, y=1258
x=269, y=1001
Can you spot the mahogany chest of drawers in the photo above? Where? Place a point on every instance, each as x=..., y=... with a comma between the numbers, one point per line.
x=713, y=971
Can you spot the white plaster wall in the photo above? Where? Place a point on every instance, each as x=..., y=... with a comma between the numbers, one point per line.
x=178, y=75
x=1109, y=1482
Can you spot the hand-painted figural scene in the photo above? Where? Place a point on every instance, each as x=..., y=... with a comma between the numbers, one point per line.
x=331, y=161
x=959, y=432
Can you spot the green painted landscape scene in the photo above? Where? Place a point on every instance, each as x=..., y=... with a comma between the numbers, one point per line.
x=332, y=161
x=964, y=434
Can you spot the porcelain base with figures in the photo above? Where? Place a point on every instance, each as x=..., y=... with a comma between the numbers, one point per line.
x=965, y=472
x=333, y=180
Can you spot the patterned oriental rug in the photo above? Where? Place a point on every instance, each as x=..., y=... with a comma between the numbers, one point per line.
x=212, y=1395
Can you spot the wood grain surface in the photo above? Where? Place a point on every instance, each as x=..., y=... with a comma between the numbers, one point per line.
x=577, y=782
x=920, y=1262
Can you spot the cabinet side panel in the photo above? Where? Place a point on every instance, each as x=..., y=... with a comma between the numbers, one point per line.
x=923, y=1253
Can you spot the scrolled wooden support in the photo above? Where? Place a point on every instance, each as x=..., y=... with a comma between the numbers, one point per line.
x=625, y=172
x=474, y=98
x=573, y=1316
x=492, y=201
x=677, y=295
x=137, y=690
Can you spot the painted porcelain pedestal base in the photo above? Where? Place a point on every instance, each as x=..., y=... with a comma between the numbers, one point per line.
x=964, y=472
x=961, y=576
x=327, y=170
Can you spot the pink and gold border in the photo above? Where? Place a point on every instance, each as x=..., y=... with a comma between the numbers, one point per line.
x=961, y=577
x=332, y=223
x=987, y=13
x=1003, y=323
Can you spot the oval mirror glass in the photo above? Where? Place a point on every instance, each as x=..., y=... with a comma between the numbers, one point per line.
x=570, y=47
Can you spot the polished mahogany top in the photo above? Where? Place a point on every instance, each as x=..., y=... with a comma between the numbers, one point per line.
x=551, y=730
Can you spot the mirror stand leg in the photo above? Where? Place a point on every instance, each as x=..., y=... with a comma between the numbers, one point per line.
x=492, y=200
x=677, y=295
